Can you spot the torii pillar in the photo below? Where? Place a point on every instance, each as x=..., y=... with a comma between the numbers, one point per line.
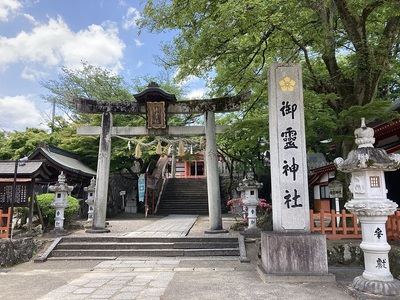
x=156, y=104
x=213, y=188
x=102, y=176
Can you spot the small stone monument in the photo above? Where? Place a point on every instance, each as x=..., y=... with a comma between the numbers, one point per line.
x=90, y=198
x=367, y=165
x=61, y=190
x=249, y=192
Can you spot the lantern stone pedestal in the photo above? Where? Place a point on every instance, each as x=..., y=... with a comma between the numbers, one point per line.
x=367, y=165
x=61, y=190
x=90, y=198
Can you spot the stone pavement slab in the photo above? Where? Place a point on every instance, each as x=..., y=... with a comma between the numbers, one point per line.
x=169, y=226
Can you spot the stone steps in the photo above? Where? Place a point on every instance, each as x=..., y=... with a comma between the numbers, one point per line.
x=184, y=196
x=111, y=247
x=144, y=252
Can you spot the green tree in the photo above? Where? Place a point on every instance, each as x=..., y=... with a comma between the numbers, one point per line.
x=19, y=144
x=90, y=81
x=349, y=50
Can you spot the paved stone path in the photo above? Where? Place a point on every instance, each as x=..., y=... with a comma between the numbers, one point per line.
x=170, y=226
x=120, y=279
x=211, y=278
x=162, y=278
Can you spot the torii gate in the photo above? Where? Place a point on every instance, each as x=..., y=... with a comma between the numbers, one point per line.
x=157, y=104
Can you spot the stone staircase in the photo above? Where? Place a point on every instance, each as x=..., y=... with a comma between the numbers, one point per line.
x=106, y=248
x=184, y=196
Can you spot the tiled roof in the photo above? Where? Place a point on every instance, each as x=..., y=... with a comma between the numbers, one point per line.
x=28, y=169
x=64, y=159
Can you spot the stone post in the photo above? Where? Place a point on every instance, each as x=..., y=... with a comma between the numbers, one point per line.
x=90, y=197
x=61, y=191
x=367, y=165
x=249, y=191
x=173, y=165
x=290, y=252
x=102, y=176
x=211, y=158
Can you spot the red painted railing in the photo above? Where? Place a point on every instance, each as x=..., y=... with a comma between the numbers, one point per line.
x=344, y=225
x=5, y=215
x=393, y=227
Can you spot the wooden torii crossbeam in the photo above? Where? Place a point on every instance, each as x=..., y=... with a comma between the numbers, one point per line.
x=157, y=104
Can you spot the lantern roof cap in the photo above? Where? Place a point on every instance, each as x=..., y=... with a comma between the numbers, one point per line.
x=249, y=183
x=364, y=135
x=366, y=156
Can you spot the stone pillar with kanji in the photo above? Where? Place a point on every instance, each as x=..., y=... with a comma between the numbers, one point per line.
x=61, y=191
x=290, y=252
x=367, y=166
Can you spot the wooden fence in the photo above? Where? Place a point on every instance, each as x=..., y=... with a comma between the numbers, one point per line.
x=393, y=227
x=344, y=225
x=5, y=215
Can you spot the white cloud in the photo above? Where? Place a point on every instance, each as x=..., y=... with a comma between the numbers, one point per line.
x=8, y=7
x=139, y=64
x=33, y=74
x=53, y=44
x=138, y=43
x=18, y=112
x=131, y=18
x=189, y=80
x=97, y=45
x=196, y=94
x=31, y=19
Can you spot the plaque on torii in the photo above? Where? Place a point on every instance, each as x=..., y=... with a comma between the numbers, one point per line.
x=157, y=104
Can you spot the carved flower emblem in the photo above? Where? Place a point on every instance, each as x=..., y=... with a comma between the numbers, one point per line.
x=287, y=84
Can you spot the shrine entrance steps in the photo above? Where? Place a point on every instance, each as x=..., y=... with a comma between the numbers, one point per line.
x=184, y=196
x=107, y=248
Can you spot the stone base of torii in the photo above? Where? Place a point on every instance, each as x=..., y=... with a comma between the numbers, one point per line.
x=157, y=104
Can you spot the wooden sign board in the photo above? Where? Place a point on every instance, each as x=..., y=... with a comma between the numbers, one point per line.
x=21, y=194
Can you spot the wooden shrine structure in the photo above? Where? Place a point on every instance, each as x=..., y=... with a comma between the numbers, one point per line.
x=17, y=183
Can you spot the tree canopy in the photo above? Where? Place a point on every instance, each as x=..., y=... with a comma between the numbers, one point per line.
x=349, y=50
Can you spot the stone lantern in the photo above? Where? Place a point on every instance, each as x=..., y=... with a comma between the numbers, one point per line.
x=249, y=192
x=367, y=165
x=90, y=197
x=61, y=190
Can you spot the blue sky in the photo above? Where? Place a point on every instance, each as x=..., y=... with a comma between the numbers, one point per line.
x=38, y=37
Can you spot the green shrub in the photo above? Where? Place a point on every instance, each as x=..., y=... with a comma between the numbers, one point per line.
x=48, y=212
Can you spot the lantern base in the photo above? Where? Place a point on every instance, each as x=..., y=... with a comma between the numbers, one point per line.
x=384, y=288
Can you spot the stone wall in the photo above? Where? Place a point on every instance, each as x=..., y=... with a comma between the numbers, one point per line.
x=120, y=182
x=14, y=252
x=344, y=253
x=348, y=253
